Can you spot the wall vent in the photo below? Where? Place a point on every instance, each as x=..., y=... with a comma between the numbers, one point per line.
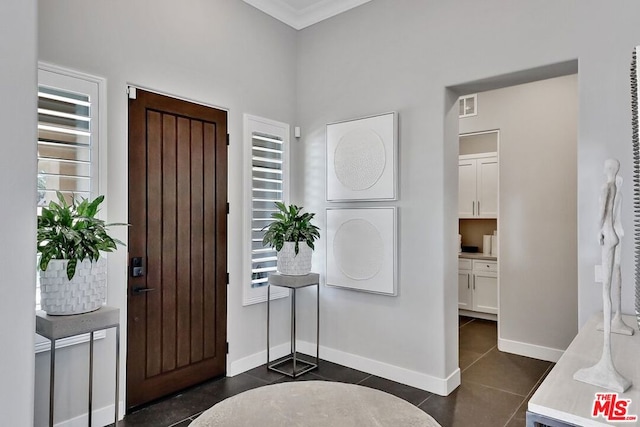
x=468, y=105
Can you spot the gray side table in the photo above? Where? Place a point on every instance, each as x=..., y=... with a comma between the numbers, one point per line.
x=57, y=327
x=294, y=283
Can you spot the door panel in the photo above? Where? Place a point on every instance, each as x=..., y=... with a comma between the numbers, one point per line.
x=464, y=290
x=488, y=187
x=177, y=212
x=485, y=293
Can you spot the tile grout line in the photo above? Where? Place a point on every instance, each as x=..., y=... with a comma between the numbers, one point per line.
x=528, y=396
x=263, y=379
x=498, y=389
x=427, y=398
x=414, y=404
x=181, y=421
x=462, y=326
x=364, y=379
x=475, y=361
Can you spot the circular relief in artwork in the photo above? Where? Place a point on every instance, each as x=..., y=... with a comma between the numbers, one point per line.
x=359, y=159
x=358, y=249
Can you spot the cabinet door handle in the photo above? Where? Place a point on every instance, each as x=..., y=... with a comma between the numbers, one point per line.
x=469, y=281
x=474, y=283
x=478, y=207
x=473, y=208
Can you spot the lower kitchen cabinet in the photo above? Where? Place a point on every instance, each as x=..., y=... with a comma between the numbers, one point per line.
x=465, y=300
x=478, y=285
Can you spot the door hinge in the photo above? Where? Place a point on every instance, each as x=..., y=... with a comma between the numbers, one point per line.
x=132, y=92
x=227, y=207
x=227, y=278
x=227, y=347
x=227, y=139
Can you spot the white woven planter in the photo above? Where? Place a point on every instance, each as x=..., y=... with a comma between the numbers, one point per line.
x=86, y=292
x=294, y=265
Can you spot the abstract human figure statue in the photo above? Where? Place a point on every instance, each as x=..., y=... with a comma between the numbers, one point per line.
x=617, y=324
x=603, y=373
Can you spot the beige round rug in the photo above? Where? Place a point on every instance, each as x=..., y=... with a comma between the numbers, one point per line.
x=314, y=404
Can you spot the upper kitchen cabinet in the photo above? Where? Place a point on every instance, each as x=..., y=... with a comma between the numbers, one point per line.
x=478, y=185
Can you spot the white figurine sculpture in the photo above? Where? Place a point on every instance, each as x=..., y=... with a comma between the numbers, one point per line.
x=603, y=373
x=617, y=324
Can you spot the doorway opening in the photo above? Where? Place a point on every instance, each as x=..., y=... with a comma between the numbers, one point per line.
x=536, y=115
x=478, y=172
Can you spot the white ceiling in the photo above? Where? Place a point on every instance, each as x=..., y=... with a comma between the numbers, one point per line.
x=302, y=13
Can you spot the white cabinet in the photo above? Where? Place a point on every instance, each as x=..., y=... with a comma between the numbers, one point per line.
x=478, y=285
x=478, y=186
x=464, y=284
x=467, y=172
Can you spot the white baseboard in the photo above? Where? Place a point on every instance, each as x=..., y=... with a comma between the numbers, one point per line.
x=101, y=417
x=254, y=360
x=530, y=350
x=440, y=386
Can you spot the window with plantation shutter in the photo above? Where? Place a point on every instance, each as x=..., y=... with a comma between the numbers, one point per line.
x=68, y=137
x=64, y=144
x=267, y=147
x=266, y=188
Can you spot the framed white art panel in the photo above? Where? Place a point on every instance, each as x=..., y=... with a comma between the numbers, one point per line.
x=362, y=159
x=362, y=249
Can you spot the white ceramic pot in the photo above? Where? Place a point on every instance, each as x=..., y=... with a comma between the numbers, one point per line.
x=86, y=292
x=294, y=265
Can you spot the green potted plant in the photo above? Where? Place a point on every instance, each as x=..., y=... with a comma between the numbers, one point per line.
x=73, y=274
x=289, y=229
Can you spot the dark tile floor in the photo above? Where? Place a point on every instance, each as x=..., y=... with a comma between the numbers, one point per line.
x=494, y=392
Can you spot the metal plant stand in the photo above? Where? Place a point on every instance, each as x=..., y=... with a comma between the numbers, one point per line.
x=299, y=367
x=57, y=327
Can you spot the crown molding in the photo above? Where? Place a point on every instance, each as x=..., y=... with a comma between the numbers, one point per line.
x=310, y=15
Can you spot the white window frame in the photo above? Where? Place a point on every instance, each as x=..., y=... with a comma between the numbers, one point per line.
x=251, y=125
x=66, y=79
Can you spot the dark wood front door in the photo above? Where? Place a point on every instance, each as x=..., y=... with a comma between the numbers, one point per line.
x=177, y=211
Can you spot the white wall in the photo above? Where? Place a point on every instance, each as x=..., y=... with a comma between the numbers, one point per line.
x=608, y=37
x=538, y=211
x=17, y=216
x=401, y=55
x=385, y=55
x=223, y=53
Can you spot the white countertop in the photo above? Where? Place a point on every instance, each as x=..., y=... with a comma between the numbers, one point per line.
x=563, y=398
x=477, y=255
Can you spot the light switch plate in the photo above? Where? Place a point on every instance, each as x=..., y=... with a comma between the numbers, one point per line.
x=598, y=274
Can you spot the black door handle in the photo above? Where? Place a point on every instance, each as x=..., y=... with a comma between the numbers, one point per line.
x=140, y=290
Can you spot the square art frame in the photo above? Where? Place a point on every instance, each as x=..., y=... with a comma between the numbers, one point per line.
x=362, y=249
x=362, y=159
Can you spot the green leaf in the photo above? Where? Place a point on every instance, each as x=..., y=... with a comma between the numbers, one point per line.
x=71, y=268
x=71, y=231
x=44, y=261
x=290, y=225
